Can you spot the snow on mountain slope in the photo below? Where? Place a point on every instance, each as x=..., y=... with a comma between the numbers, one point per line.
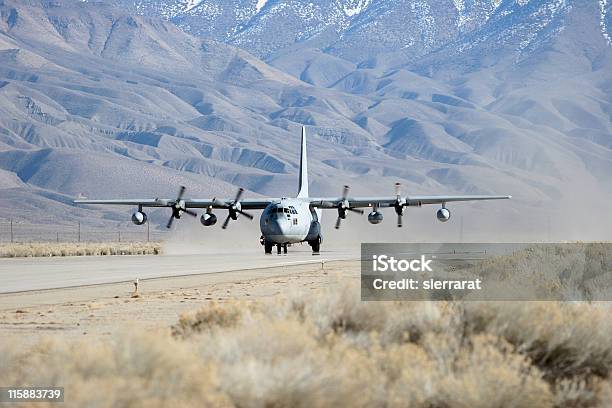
x=267, y=30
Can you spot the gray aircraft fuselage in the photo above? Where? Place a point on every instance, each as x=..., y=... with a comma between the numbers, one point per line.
x=290, y=221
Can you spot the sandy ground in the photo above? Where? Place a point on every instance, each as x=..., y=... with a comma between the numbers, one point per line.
x=94, y=296
x=105, y=309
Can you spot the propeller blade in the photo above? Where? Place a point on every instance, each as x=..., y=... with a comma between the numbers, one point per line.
x=226, y=222
x=338, y=222
x=170, y=221
x=180, y=194
x=249, y=216
x=192, y=213
x=399, y=220
x=398, y=187
x=239, y=194
x=345, y=192
x=355, y=210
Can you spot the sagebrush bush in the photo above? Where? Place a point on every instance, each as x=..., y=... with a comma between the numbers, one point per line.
x=563, y=339
x=78, y=249
x=486, y=372
x=423, y=354
x=331, y=349
x=135, y=370
x=577, y=271
x=212, y=317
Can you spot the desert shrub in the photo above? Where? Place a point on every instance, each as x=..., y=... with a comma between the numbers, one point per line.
x=576, y=393
x=500, y=353
x=485, y=373
x=578, y=271
x=78, y=249
x=331, y=349
x=280, y=363
x=563, y=339
x=143, y=370
x=207, y=318
x=304, y=358
x=339, y=310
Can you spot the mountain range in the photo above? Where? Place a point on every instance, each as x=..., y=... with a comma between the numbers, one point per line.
x=131, y=98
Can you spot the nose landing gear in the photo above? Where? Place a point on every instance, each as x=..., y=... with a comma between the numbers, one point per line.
x=269, y=245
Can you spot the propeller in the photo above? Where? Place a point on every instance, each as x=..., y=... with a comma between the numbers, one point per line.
x=344, y=206
x=399, y=205
x=178, y=207
x=234, y=208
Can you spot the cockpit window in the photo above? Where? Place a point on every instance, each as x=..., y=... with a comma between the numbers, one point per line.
x=283, y=210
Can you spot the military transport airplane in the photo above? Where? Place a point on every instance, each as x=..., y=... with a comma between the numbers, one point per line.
x=287, y=221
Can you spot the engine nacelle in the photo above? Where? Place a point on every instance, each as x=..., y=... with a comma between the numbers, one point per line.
x=208, y=219
x=443, y=214
x=139, y=218
x=375, y=217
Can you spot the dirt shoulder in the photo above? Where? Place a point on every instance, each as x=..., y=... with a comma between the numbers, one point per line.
x=102, y=310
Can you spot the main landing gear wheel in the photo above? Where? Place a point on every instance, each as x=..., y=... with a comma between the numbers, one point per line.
x=268, y=248
x=316, y=246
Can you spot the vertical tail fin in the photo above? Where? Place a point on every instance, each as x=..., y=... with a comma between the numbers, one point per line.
x=303, y=187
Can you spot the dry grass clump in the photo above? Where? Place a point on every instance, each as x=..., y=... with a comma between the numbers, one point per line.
x=564, y=339
x=211, y=317
x=78, y=249
x=334, y=349
x=135, y=370
x=484, y=373
x=331, y=349
x=576, y=271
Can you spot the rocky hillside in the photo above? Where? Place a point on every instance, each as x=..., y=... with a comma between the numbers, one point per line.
x=100, y=101
x=358, y=30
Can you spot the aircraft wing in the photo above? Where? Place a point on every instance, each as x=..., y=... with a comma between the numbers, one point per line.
x=419, y=200
x=145, y=202
x=247, y=204
x=181, y=205
x=391, y=201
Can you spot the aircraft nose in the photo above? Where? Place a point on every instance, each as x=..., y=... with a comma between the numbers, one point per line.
x=282, y=225
x=279, y=226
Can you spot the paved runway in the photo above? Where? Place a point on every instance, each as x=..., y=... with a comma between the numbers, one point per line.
x=26, y=274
